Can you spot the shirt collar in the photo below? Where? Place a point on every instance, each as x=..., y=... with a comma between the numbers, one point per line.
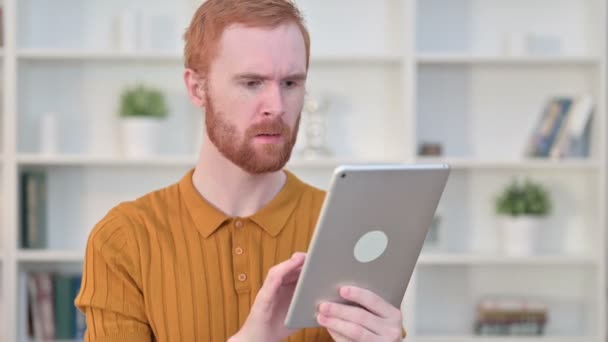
x=272, y=217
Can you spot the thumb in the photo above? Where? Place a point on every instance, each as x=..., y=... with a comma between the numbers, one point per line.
x=277, y=274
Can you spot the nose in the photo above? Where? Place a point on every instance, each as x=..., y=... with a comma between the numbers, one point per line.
x=274, y=101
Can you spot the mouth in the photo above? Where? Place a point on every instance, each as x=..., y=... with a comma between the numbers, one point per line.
x=269, y=137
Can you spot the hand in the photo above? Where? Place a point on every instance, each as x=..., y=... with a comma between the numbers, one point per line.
x=267, y=316
x=376, y=321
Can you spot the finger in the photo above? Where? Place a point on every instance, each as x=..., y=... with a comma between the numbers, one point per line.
x=337, y=337
x=275, y=276
x=371, y=301
x=292, y=277
x=347, y=329
x=353, y=314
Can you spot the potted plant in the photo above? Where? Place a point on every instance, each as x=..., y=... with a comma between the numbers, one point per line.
x=521, y=207
x=142, y=110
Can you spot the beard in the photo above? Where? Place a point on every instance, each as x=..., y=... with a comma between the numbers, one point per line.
x=242, y=150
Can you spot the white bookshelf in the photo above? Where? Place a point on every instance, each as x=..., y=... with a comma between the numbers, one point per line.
x=42, y=256
x=523, y=164
x=556, y=61
x=445, y=259
x=501, y=339
x=418, y=70
x=30, y=54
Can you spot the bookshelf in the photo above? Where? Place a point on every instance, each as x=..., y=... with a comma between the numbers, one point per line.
x=447, y=59
x=418, y=71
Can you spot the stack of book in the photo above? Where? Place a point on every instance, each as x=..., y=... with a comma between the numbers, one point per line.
x=564, y=128
x=51, y=310
x=510, y=316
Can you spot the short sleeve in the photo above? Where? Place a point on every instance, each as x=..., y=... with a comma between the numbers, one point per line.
x=111, y=293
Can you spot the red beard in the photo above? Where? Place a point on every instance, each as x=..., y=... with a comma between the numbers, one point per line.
x=242, y=150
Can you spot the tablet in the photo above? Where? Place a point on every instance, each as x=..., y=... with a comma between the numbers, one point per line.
x=369, y=234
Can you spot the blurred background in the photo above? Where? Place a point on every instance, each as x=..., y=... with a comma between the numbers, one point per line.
x=511, y=93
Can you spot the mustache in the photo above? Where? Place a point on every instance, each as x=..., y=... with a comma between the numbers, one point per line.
x=276, y=126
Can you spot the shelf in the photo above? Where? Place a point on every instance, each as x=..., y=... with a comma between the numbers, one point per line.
x=49, y=256
x=187, y=161
x=334, y=162
x=167, y=161
x=84, y=160
x=461, y=259
x=92, y=55
x=503, y=339
x=176, y=57
x=506, y=60
x=558, y=164
x=358, y=59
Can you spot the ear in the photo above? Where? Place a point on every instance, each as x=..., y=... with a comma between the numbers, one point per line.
x=196, y=87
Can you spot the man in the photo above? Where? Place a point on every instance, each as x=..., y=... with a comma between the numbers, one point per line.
x=215, y=256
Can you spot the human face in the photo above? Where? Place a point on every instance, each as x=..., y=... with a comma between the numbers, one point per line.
x=253, y=95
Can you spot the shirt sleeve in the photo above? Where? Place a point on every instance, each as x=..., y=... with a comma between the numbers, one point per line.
x=111, y=293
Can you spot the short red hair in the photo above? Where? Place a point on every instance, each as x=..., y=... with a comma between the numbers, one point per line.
x=213, y=16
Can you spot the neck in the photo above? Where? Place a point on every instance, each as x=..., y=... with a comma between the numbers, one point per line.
x=229, y=188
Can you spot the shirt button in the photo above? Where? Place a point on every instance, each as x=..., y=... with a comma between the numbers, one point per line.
x=238, y=251
x=238, y=224
x=242, y=277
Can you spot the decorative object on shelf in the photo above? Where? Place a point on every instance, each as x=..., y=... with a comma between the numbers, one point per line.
x=159, y=31
x=563, y=129
x=430, y=149
x=148, y=29
x=521, y=208
x=126, y=30
x=539, y=44
x=314, y=128
x=576, y=237
x=142, y=110
x=433, y=241
x=510, y=316
x=521, y=44
x=514, y=44
x=48, y=133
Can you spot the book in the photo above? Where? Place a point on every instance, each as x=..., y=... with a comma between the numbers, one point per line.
x=52, y=314
x=548, y=127
x=80, y=323
x=573, y=138
x=65, y=324
x=510, y=316
x=33, y=209
x=40, y=286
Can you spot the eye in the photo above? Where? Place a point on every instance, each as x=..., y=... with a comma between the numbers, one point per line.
x=253, y=83
x=291, y=84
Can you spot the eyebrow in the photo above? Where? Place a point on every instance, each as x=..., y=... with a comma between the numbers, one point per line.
x=254, y=76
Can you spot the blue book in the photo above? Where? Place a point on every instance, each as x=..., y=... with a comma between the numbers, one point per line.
x=80, y=323
x=548, y=127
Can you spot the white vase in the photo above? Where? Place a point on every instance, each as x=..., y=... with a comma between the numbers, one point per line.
x=48, y=133
x=140, y=136
x=519, y=235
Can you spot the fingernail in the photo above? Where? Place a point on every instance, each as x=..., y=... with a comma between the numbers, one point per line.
x=345, y=291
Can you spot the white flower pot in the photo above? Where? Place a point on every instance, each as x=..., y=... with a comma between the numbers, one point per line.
x=519, y=235
x=140, y=136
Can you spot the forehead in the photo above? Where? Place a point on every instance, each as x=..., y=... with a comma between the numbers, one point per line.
x=273, y=51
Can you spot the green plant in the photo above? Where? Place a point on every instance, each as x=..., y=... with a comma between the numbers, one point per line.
x=527, y=198
x=143, y=101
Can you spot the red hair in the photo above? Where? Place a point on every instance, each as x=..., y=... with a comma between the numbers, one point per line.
x=213, y=16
